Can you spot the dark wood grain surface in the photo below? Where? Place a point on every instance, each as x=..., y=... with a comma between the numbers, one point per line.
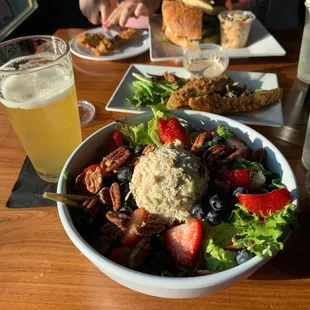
x=41, y=269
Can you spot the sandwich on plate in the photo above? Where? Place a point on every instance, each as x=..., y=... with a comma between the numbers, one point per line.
x=189, y=22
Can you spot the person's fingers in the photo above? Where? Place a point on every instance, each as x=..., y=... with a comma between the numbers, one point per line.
x=113, y=19
x=141, y=9
x=125, y=14
x=94, y=17
x=105, y=10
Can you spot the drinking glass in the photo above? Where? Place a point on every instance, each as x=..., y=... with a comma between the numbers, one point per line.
x=38, y=93
x=305, y=158
x=303, y=72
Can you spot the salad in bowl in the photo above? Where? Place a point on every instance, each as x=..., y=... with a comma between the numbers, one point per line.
x=170, y=198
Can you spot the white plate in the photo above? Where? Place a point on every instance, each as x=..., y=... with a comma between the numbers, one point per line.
x=133, y=48
x=268, y=116
x=260, y=44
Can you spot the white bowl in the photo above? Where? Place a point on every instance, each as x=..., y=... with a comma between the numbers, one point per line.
x=156, y=285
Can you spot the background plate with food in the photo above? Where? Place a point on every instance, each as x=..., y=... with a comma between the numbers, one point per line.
x=270, y=115
x=260, y=42
x=95, y=44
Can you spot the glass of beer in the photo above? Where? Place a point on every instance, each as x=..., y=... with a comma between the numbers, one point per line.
x=38, y=93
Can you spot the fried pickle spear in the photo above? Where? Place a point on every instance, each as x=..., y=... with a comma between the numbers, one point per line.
x=221, y=105
x=197, y=87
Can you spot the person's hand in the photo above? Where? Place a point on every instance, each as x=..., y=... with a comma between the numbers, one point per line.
x=125, y=10
x=97, y=11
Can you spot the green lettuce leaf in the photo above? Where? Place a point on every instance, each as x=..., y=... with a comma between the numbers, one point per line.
x=159, y=111
x=217, y=259
x=246, y=164
x=224, y=132
x=148, y=92
x=222, y=233
x=135, y=135
x=261, y=236
x=277, y=183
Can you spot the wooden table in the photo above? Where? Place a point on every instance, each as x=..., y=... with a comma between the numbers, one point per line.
x=41, y=269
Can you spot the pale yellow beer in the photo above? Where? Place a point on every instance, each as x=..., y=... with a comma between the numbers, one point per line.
x=42, y=107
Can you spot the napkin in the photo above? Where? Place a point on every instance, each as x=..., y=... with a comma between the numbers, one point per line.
x=28, y=189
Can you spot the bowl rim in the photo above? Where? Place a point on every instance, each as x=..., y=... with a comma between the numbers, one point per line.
x=145, y=279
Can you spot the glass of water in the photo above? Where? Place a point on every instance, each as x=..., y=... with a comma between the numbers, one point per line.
x=306, y=150
x=303, y=72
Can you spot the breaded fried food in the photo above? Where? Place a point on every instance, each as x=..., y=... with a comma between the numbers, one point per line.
x=217, y=104
x=197, y=87
x=102, y=45
x=127, y=34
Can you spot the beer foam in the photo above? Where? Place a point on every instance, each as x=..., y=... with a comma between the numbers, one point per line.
x=36, y=89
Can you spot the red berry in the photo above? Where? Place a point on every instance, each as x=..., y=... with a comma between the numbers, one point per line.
x=236, y=177
x=136, y=218
x=118, y=138
x=120, y=255
x=266, y=203
x=182, y=242
x=172, y=130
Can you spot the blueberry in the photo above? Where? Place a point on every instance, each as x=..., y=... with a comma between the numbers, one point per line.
x=197, y=210
x=206, y=145
x=124, y=187
x=126, y=210
x=124, y=174
x=243, y=256
x=131, y=203
x=216, y=203
x=218, y=140
x=240, y=190
x=108, y=179
x=139, y=149
x=213, y=218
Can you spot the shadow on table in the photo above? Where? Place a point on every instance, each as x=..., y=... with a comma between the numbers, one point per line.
x=293, y=261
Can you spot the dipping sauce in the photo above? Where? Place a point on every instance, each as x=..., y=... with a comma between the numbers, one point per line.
x=205, y=67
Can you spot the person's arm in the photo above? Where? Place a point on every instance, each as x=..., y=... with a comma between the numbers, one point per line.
x=130, y=8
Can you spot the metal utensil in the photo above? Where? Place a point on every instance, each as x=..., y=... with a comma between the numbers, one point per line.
x=109, y=35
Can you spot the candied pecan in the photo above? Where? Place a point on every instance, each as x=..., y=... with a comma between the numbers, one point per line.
x=216, y=153
x=115, y=160
x=93, y=180
x=105, y=244
x=80, y=186
x=152, y=225
x=104, y=196
x=258, y=155
x=199, y=141
x=139, y=253
x=148, y=149
x=111, y=231
x=133, y=161
x=115, y=194
x=241, y=148
x=118, y=218
x=92, y=206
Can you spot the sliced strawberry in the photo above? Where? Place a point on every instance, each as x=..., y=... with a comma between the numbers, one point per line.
x=136, y=218
x=266, y=203
x=162, y=125
x=172, y=130
x=118, y=138
x=120, y=255
x=237, y=177
x=182, y=241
